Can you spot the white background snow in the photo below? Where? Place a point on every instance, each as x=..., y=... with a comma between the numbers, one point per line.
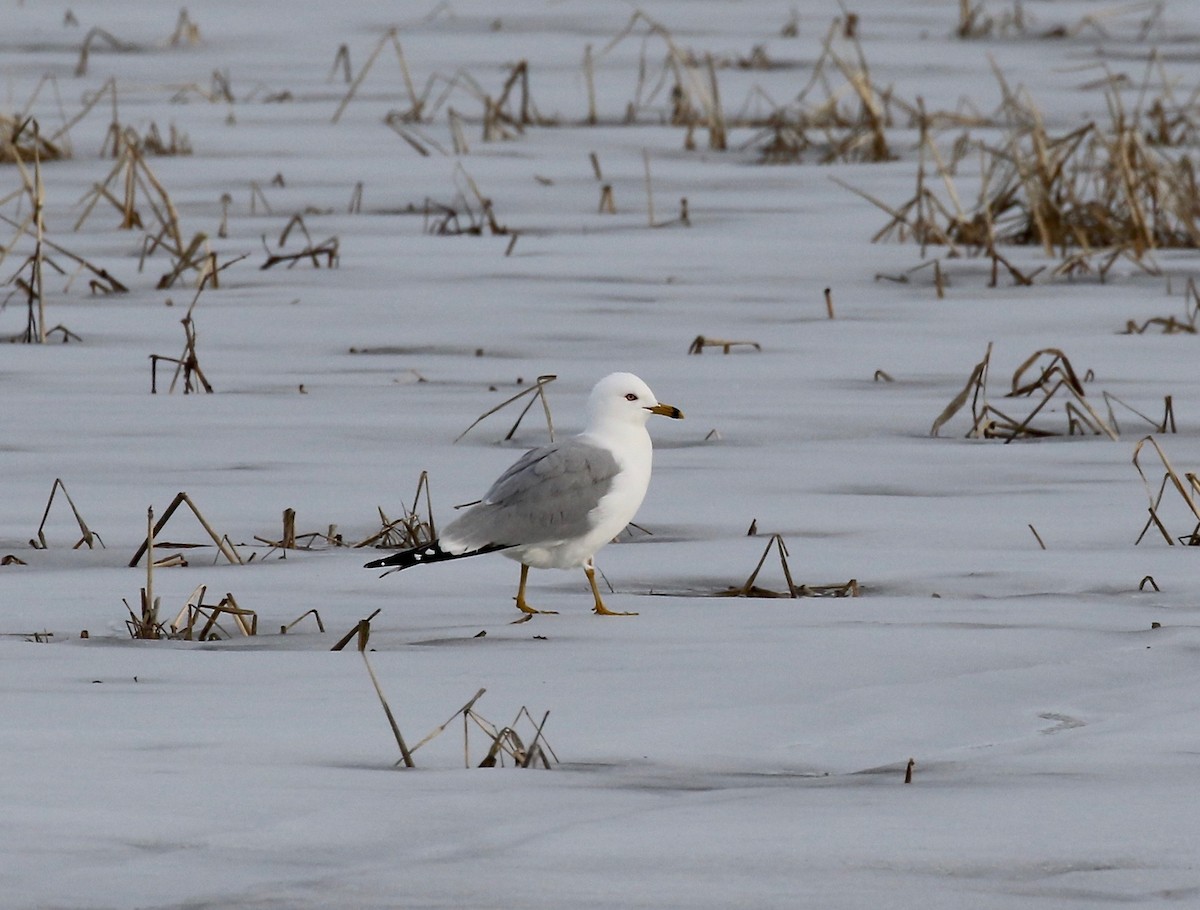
x=715, y=752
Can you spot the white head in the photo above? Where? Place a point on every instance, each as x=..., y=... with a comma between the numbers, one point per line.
x=623, y=399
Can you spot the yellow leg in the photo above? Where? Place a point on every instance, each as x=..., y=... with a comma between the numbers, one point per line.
x=599, y=609
x=522, y=604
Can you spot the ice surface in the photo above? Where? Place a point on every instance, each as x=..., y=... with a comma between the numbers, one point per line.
x=715, y=752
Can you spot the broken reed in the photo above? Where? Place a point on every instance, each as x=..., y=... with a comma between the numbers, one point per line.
x=980, y=19
x=504, y=742
x=748, y=588
x=1046, y=377
x=87, y=537
x=1105, y=191
x=1185, y=484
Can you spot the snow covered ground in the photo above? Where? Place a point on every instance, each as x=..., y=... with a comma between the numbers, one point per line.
x=714, y=752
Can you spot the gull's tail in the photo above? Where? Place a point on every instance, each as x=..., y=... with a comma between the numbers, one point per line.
x=430, y=552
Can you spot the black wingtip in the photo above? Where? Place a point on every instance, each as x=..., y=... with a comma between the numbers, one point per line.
x=430, y=552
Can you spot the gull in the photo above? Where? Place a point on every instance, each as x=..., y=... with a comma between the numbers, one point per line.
x=560, y=503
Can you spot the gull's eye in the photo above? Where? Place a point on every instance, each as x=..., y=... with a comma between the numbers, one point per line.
x=631, y=397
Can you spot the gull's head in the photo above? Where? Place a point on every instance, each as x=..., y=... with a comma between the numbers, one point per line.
x=622, y=398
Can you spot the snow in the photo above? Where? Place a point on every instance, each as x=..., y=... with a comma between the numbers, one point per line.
x=714, y=751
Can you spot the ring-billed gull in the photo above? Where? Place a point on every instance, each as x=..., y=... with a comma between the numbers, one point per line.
x=559, y=504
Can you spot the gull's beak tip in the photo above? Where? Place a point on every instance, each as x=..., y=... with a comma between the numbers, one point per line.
x=667, y=410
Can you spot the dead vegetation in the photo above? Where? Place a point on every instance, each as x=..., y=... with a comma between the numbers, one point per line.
x=1107, y=191
x=312, y=251
x=87, y=537
x=290, y=540
x=1048, y=379
x=187, y=364
x=1171, y=325
x=222, y=542
x=410, y=529
x=1009, y=18
x=471, y=213
x=20, y=140
x=701, y=342
x=503, y=115
x=748, y=588
x=505, y=743
x=536, y=393
x=1187, y=487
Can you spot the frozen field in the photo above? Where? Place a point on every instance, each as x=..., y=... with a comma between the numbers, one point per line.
x=713, y=752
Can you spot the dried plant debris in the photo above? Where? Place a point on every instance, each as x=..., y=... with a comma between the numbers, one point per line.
x=991, y=19
x=312, y=251
x=87, y=537
x=197, y=613
x=839, y=115
x=1048, y=378
x=748, y=588
x=536, y=393
x=290, y=540
x=695, y=100
x=522, y=742
x=1172, y=325
x=471, y=213
x=222, y=542
x=700, y=342
x=409, y=530
x=1104, y=192
x=21, y=140
x=187, y=364
x=1186, y=485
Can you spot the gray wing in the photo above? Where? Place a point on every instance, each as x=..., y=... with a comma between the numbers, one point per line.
x=545, y=496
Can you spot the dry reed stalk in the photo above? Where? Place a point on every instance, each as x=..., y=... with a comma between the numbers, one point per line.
x=1055, y=379
x=537, y=391
x=35, y=326
x=1187, y=486
x=87, y=536
x=94, y=36
x=848, y=132
x=222, y=542
x=228, y=606
x=1170, y=324
x=183, y=626
x=458, y=137
x=312, y=251
x=20, y=140
x=145, y=624
x=345, y=639
x=607, y=204
x=283, y=630
x=1101, y=193
x=464, y=712
x=186, y=31
x=649, y=189
x=589, y=78
x=187, y=364
x=409, y=530
x=448, y=220
x=695, y=96
x=137, y=181
x=749, y=589
x=390, y=36
x=364, y=633
x=507, y=741
x=498, y=118
x=700, y=342
x=341, y=59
